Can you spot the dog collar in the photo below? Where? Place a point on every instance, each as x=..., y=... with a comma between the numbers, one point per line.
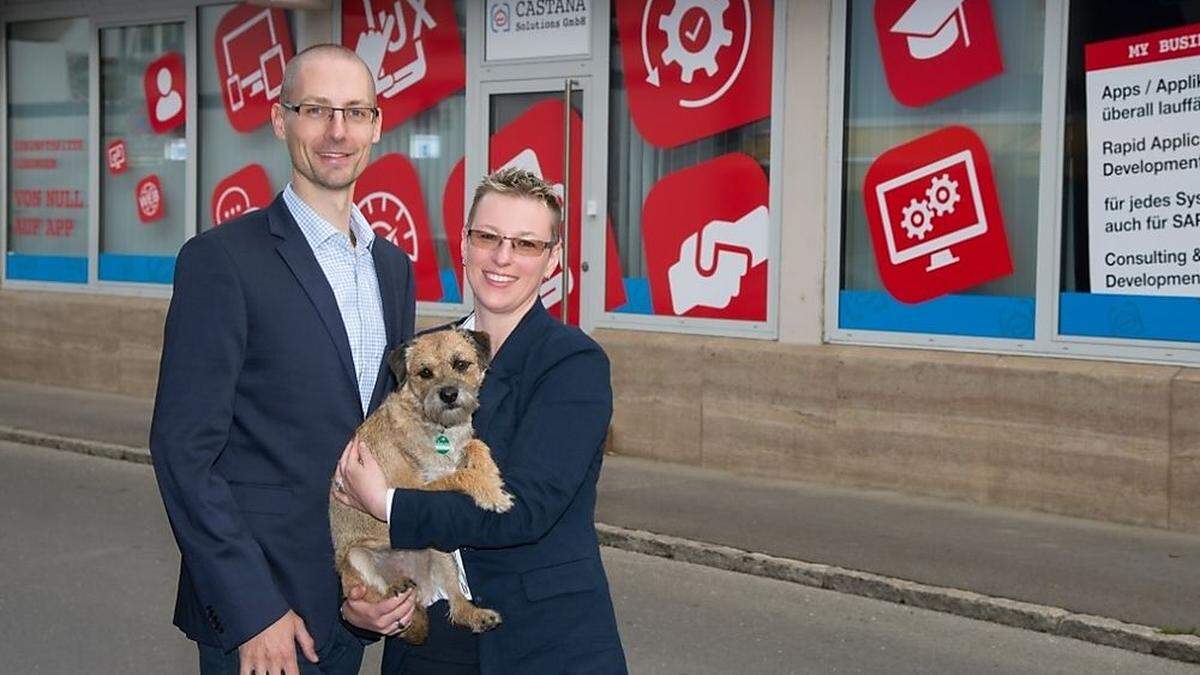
x=441, y=444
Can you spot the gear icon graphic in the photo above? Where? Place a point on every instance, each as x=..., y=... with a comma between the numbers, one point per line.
x=942, y=194
x=706, y=57
x=918, y=219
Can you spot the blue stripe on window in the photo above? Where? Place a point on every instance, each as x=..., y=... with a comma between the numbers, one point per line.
x=450, y=292
x=1145, y=317
x=976, y=315
x=147, y=269
x=637, y=296
x=59, y=268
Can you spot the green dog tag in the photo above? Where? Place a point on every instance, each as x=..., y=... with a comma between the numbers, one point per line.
x=441, y=445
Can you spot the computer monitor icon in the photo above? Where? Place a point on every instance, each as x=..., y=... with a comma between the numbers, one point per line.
x=254, y=60
x=930, y=209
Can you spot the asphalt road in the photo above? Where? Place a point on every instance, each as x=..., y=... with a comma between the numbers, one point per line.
x=87, y=570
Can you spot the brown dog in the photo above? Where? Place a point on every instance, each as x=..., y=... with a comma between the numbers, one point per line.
x=422, y=438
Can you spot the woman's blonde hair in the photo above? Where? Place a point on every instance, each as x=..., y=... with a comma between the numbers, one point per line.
x=517, y=182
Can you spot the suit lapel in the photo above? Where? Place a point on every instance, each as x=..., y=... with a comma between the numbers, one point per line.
x=506, y=367
x=389, y=294
x=298, y=255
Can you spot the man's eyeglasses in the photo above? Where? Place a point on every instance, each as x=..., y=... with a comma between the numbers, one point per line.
x=324, y=113
x=521, y=246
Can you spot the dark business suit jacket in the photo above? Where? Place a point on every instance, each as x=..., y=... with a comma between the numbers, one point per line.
x=256, y=399
x=544, y=410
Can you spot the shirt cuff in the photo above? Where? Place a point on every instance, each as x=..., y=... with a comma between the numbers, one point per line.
x=390, y=493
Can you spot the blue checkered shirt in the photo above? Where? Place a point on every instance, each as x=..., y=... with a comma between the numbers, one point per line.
x=351, y=274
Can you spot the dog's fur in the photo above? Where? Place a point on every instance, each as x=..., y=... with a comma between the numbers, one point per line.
x=439, y=376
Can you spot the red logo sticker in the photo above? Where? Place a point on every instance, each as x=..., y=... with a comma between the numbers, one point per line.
x=245, y=190
x=934, y=216
x=695, y=67
x=706, y=234
x=163, y=84
x=453, y=216
x=525, y=143
x=149, y=196
x=934, y=48
x=413, y=49
x=115, y=157
x=389, y=196
x=252, y=45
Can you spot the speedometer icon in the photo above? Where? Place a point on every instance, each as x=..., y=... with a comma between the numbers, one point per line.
x=391, y=219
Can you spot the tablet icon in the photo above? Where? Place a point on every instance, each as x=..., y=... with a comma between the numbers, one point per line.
x=253, y=44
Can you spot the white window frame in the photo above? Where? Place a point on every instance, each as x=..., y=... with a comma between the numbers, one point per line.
x=1047, y=340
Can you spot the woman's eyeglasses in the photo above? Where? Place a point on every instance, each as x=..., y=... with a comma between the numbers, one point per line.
x=324, y=113
x=521, y=246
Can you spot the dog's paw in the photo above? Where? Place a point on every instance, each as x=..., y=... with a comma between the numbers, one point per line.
x=498, y=500
x=483, y=620
x=400, y=587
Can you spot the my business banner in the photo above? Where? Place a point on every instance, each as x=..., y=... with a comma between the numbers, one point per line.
x=1143, y=122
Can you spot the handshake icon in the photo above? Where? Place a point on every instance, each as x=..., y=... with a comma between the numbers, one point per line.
x=713, y=261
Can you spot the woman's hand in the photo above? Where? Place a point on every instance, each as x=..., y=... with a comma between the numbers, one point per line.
x=359, y=481
x=387, y=617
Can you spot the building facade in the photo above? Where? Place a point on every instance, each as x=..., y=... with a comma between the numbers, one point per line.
x=942, y=247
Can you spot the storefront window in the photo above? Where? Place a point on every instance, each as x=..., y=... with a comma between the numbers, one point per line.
x=412, y=191
x=689, y=158
x=47, y=78
x=1131, y=227
x=143, y=118
x=941, y=167
x=242, y=53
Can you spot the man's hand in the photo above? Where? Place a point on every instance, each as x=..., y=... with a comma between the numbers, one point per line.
x=359, y=481
x=273, y=651
x=388, y=617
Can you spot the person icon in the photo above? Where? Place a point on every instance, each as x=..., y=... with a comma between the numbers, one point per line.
x=169, y=102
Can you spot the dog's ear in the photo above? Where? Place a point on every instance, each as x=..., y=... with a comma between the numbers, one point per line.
x=397, y=362
x=483, y=346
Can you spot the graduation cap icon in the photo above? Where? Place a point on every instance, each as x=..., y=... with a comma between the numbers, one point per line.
x=932, y=27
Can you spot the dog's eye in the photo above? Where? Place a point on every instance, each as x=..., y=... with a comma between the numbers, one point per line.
x=425, y=373
x=460, y=365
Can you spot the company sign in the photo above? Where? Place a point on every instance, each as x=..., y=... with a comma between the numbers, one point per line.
x=526, y=29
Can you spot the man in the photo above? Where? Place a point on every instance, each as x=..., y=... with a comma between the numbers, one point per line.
x=273, y=354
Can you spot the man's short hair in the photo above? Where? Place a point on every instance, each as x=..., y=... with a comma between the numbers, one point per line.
x=292, y=70
x=517, y=182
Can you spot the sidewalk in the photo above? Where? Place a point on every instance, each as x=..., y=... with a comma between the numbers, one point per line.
x=1077, y=575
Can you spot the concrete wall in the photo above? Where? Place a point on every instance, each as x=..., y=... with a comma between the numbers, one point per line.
x=1109, y=441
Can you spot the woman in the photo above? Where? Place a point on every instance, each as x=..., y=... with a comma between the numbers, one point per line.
x=544, y=410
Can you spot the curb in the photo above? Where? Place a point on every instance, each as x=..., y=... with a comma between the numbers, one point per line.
x=1029, y=616
x=95, y=448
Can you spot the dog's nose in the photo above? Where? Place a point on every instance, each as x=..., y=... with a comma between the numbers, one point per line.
x=448, y=394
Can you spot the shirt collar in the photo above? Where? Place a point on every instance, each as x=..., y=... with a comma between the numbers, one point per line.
x=317, y=230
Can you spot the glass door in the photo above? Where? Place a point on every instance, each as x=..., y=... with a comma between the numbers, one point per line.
x=543, y=125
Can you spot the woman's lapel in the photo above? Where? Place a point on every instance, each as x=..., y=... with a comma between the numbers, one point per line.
x=504, y=370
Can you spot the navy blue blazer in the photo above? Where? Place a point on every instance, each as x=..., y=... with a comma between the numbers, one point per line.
x=544, y=410
x=256, y=399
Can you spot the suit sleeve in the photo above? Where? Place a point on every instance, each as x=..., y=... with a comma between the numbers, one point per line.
x=204, y=344
x=559, y=438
